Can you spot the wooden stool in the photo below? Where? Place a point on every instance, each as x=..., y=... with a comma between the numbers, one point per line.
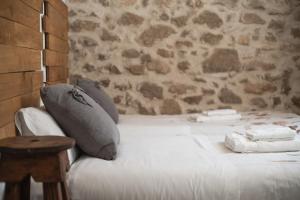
x=43, y=158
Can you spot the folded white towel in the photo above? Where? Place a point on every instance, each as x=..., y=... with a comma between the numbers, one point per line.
x=240, y=143
x=270, y=132
x=220, y=112
x=203, y=118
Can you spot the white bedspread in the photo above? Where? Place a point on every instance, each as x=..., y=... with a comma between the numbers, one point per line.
x=170, y=158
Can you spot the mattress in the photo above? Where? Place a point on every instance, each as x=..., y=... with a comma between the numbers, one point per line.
x=172, y=158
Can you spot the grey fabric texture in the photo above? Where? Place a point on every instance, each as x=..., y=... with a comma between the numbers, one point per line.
x=82, y=119
x=94, y=90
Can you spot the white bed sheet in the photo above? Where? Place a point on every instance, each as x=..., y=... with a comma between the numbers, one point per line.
x=170, y=158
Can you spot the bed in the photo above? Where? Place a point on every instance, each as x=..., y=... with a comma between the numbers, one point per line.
x=160, y=157
x=170, y=157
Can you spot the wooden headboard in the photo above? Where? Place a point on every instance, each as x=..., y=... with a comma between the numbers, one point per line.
x=21, y=48
x=55, y=26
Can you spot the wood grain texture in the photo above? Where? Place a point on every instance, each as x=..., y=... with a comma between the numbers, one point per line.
x=43, y=167
x=44, y=158
x=18, y=59
x=8, y=130
x=15, y=34
x=35, y=4
x=9, y=107
x=52, y=58
x=56, y=82
x=54, y=27
x=25, y=188
x=60, y=6
x=65, y=190
x=20, y=12
x=55, y=14
x=52, y=191
x=56, y=44
x=32, y=145
x=37, y=80
x=56, y=73
x=12, y=191
x=19, y=190
x=15, y=84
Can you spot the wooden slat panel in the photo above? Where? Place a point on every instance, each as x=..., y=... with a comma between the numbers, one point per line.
x=57, y=28
x=35, y=4
x=67, y=73
x=17, y=59
x=52, y=58
x=9, y=130
x=9, y=107
x=56, y=82
x=20, y=59
x=18, y=11
x=56, y=44
x=59, y=6
x=56, y=74
x=37, y=80
x=55, y=24
x=15, y=84
x=19, y=35
x=55, y=14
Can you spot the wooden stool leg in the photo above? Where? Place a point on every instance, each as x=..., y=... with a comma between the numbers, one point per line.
x=52, y=191
x=65, y=192
x=25, y=188
x=12, y=191
x=16, y=191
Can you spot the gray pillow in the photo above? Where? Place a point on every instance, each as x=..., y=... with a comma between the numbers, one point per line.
x=94, y=90
x=82, y=119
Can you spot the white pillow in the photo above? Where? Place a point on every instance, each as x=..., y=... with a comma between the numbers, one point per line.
x=37, y=121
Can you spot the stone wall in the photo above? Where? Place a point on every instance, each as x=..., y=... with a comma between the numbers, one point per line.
x=184, y=56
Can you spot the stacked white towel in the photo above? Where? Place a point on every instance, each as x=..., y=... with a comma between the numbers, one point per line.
x=223, y=112
x=239, y=143
x=263, y=139
x=217, y=115
x=270, y=133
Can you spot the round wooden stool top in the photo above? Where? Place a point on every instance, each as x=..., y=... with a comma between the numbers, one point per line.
x=35, y=144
